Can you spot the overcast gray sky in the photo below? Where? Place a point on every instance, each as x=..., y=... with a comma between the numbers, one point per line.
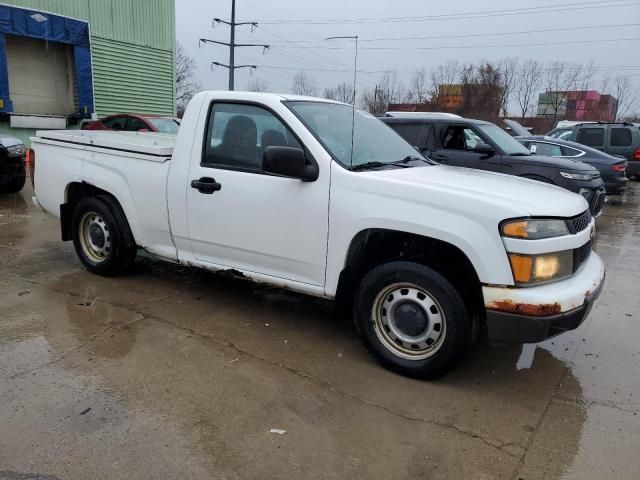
x=488, y=30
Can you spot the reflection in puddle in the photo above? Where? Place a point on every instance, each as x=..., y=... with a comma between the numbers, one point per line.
x=525, y=361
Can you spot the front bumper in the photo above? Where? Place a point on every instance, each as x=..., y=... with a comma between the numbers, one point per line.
x=533, y=314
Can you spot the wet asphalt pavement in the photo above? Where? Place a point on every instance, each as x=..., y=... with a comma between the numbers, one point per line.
x=175, y=373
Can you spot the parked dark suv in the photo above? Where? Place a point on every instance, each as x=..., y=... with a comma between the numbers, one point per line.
x=482, y=145
x=617, y=139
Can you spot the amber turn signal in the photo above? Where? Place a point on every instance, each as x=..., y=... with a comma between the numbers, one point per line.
x=516, y=229
x=522, y=267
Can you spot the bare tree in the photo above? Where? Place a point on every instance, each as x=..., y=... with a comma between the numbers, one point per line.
x=343, y=92
x=623, y=90
x=418, y=91
x=330, y=93
x=445, y=74
x=558, y=79
x=527, y=84
x=186, y=85
x=256, y=84
x=389, y=89
x=508, y=74
x=304, y=85
x=585, y=81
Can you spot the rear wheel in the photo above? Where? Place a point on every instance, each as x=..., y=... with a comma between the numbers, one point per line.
x=411, y=319
x=101, y=236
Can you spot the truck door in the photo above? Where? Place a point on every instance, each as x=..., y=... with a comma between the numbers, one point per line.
x=241, y=218
x=455, y=146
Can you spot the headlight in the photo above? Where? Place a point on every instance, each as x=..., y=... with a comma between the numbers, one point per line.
x=580, y=176
x=16, y=150
x=534, y=229
x=535, y=269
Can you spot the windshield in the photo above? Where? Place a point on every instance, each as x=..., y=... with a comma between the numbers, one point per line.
x=503, y=140
x=373, y=141
x=164, y=125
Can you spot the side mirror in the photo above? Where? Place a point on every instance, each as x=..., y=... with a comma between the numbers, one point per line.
x=485, y=149
x=288, y=162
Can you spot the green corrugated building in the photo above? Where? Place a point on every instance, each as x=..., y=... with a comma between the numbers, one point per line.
x=65, y=60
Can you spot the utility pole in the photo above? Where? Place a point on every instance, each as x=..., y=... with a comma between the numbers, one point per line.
x=232, y=67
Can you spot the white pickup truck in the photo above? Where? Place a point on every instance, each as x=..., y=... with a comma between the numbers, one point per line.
x=275, y=188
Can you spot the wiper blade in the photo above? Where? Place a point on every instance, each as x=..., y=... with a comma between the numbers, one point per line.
x=518, y=154
x=411, y=158
x=370, y=165
x=367, y=166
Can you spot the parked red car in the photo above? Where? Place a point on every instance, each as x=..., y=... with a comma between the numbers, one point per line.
x=134, y=122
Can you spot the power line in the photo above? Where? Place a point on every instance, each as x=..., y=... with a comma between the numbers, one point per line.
x=449, y=47
x=305, y=31
x=281, y=67
x=458, y=16
x=495, y=34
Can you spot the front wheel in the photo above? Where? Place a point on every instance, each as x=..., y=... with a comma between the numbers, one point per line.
x=101, y=236
x=411, y=319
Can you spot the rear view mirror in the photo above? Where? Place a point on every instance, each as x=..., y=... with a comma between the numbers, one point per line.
x=485, y=149
x=288, y=162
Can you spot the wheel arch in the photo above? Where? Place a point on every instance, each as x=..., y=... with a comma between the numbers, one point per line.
x=79, y=190
x=374, y=246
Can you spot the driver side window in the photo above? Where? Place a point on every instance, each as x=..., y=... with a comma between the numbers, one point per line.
x=458, y=137
x=238, y=135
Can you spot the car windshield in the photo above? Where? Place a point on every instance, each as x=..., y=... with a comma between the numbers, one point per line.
x=503, y=140
x=373, y=141
x=164, y=125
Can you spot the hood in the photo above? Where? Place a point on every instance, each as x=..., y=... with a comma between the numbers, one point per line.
x=557, y=162
x=10, y=141
x=510, y=196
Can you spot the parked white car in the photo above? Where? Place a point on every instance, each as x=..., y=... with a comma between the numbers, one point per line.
x=269, y=187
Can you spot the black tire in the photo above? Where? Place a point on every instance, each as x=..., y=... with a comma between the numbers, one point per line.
x=16, y=181
x=119, y=247
x=455, y=329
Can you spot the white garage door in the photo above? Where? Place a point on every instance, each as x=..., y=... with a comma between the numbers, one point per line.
x=40, y=76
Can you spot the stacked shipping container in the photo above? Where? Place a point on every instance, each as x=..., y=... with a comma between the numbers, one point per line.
x=578, y=105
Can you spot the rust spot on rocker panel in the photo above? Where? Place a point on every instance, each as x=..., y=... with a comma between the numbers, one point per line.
x=533, y=309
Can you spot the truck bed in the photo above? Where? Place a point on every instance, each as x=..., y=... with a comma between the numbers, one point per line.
x=154, y=144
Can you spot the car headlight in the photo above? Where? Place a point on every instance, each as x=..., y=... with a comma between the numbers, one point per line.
x=530, y=270
x=580, y=176
x=16, y=150
x=534, y=229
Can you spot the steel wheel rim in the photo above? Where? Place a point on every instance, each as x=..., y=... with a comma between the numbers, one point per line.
x=393, y=333
x=95, y=239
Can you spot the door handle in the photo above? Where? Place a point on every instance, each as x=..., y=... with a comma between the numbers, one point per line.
x=206, y=185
